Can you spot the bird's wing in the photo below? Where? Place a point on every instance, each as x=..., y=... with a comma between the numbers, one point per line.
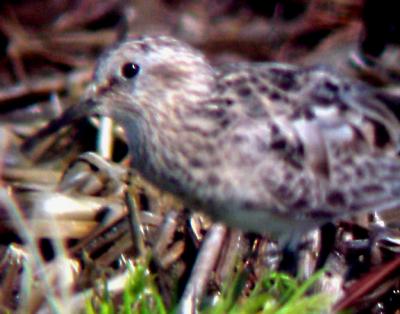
x=315, y=145
x=314, y=92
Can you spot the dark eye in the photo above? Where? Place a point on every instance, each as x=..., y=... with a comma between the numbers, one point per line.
x=130, y=70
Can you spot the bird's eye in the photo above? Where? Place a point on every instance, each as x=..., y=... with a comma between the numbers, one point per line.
x=130, y=70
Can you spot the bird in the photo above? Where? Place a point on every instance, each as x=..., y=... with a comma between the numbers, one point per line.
x=266, y=147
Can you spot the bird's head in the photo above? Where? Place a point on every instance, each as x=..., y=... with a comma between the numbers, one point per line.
x=151, y=76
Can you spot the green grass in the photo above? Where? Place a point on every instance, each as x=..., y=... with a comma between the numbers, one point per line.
x=275, y=293
x=140, y=296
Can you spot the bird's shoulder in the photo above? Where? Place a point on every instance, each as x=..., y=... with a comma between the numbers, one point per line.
x=306, y=96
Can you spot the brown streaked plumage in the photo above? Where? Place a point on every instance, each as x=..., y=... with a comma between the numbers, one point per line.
x=267, y=147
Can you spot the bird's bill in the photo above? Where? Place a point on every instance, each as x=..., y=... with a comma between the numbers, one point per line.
x=72, y=114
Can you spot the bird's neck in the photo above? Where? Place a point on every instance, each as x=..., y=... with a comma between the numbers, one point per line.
x=165, y=151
